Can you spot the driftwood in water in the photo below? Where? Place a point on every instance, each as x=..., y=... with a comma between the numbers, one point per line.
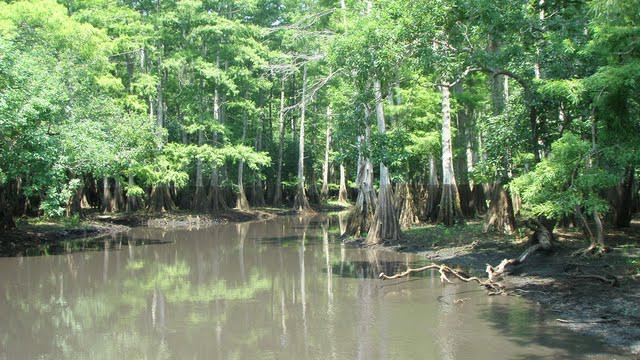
x=541, y=236
x=493, y=287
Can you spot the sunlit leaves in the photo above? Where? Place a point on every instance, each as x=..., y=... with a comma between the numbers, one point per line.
x=564, y=180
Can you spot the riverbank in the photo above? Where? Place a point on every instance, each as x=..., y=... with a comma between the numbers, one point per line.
x=36, y=236
x=583, y=304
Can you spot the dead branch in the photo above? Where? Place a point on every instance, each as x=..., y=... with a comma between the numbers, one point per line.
x=493, y=287
x=303, y=23
x=312, y=93
x=598, y=321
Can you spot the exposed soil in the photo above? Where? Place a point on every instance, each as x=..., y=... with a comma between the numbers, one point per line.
x=36, y=238
x=182, y=219
x=32, y=237
x=585, y=305
x=39, y=238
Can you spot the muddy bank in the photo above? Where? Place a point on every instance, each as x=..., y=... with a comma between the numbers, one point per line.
x=182, y=219
x=38, y=238
x=553, y=280
x=42, y=238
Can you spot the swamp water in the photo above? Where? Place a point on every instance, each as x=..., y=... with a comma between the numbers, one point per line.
x=283, y=288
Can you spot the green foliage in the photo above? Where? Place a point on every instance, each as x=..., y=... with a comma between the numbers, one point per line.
x=563, y=181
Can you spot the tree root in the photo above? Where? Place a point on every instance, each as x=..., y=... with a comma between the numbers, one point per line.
x=496, y=272
x=542, y=238
x=592, y=250
x=542, y=241
x=613, y=281
x=494, y=288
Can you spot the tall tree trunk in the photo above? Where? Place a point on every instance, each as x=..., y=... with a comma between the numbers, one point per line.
x=216, y=200
x=434, y=191
x=242, y=202
x=460, y=161
x=160, y=104
x=133, y=202
x=599, y=234
x=500, y=217
x=199, y=196
x=277, y=197
x=325, y=166
x=361, y=215
x=385, y=225
x=107, y=196
x=160, y=197
x=314, y=194
x=449, y=212
x=621, y=199
x=258, y=193
x=118, y=196
x=300, y=202
x=343, y=196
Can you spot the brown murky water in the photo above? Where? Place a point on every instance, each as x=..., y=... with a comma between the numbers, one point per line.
x=278, y=289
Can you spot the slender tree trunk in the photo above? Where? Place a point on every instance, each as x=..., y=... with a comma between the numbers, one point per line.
x=301, y=203
x=216, y=200
x=434, y=191
x=160, y=104
x=343, y=196
x=325, y=168
x=107, y=197
x=199, y=196
x=160, y=197
x=277, y=197
x=449, y=212
x=460, y=161
x=385, y=225
x=242, y=202
x=599, y=233
x=258, y=193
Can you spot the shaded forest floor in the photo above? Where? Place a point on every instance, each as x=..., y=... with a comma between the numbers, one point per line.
x=586, y=305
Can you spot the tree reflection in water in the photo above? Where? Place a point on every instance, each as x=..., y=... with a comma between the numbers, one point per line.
x=283, y=288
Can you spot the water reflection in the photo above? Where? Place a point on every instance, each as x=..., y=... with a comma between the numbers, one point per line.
x=284, y=288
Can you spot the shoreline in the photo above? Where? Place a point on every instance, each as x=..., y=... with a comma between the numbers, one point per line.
x=583, y=305
x=33, y=237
